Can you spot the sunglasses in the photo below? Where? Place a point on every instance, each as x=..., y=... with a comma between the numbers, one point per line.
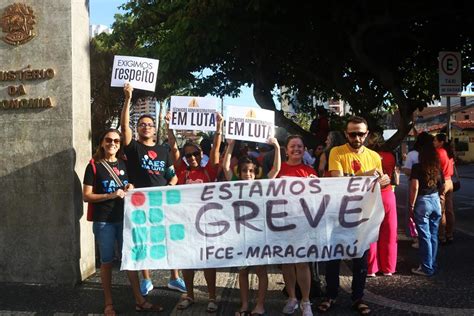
x=109, y=140
x=195, y=154
x=142, y=125
x=354, y=134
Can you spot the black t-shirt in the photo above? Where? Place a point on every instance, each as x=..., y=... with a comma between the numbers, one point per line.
x=110, y=210
x=423, y=189
x=148, y=166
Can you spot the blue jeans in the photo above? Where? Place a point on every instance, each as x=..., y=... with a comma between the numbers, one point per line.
x=359, y=275
x=106, y=234
x=427, y=215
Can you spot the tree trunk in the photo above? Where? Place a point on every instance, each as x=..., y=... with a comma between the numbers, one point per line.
x=263, y=97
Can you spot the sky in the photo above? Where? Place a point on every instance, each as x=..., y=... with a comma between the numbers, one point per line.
x=103, y=11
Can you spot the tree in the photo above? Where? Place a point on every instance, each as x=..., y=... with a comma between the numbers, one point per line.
x=372, y=54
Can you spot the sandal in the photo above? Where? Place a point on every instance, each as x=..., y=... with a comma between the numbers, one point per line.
x=148, y=307
x=361, y=308
x=326, y=305
x=109, y=310
x=212, y=306
x=186, y=301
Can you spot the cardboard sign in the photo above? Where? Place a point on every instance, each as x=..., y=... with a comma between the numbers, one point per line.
x=251, y=124
x=244, y=223
x=193, y=113
x=140, y=72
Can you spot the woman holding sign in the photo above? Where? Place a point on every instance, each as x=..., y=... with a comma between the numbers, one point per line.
x=195, y=173
x=297, y=272
x=247, y=169
x=105, y=186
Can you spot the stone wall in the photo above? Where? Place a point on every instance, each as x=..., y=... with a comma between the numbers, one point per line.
x=44, y=237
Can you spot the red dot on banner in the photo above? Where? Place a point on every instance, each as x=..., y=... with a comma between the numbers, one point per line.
x=138, y=199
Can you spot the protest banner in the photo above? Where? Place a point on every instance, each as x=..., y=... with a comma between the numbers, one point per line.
x=193, y=113
x=251, y=124
x=140, y=72
x=242, y=223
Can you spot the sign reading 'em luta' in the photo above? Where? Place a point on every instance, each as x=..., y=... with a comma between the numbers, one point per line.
x=251, y=124
x=244, y=223
x=193, y=113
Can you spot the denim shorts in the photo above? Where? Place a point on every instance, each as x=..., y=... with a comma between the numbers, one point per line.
x=106, y=234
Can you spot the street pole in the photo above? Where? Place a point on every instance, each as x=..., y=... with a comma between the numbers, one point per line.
x=448, y=107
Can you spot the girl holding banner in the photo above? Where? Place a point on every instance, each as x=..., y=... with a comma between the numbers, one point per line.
x=294, y=167
x=247, y=169
x=105, y=186
x=195, y=173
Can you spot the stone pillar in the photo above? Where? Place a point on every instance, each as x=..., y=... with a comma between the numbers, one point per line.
x=45, y=141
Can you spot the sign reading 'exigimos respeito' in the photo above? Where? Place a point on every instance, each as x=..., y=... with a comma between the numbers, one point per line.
x=17, y=22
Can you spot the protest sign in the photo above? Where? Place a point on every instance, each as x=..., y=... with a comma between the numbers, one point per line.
x=140, y=72
x=244, y=223
x=193, y=113
x=251, y=124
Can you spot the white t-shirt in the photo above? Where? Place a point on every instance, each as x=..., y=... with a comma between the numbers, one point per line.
x=412, y=158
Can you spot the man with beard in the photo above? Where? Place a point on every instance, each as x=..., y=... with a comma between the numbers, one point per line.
x=352, y=159
x=148, y=165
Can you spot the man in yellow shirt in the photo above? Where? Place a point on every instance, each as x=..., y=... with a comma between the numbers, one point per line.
x=352, y=159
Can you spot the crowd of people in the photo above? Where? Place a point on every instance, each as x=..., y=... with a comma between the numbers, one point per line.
x=122, y=163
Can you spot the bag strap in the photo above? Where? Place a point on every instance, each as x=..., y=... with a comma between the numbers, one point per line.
x=111, y=172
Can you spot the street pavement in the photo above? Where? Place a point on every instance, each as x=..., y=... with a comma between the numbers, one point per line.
x=449, y=292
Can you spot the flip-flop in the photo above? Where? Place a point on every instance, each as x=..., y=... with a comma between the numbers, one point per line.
x=212, y=306
x=186, y=301
x=151, y=308
x=361, y=308
x=326, y=305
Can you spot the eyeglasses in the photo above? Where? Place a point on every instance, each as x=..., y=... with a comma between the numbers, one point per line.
x=109, y=140
x=354, y=134
x=143, y=125
x=195, y=154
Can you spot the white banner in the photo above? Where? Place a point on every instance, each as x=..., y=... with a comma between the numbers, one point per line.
x=244, y=223
x=140, y=72
x=251, y=124
x=193, y=113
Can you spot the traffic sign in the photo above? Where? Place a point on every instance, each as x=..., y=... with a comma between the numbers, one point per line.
x=450, y=74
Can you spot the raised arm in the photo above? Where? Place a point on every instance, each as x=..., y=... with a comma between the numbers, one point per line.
x=227, y=158
x=172, y=141
x=125, y=116
x=276, y=159
x=214, y=154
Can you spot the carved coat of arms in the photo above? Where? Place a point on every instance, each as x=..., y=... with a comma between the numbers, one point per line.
x=17, y=22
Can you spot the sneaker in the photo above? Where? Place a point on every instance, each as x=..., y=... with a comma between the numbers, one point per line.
x=306, y=309
x=420, y=271
x=388, y=274
x=177, y=284
x=146, y=286
x=371, y=275
x=290, y=307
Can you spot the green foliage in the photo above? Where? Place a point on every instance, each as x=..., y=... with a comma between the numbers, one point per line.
x=372, y=54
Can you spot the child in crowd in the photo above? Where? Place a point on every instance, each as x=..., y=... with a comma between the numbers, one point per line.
x=247, y=169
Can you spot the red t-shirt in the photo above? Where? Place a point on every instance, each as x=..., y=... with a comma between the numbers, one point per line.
x=199, y=175
x=300, y=170
x=388, y=165
x=446, y=163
